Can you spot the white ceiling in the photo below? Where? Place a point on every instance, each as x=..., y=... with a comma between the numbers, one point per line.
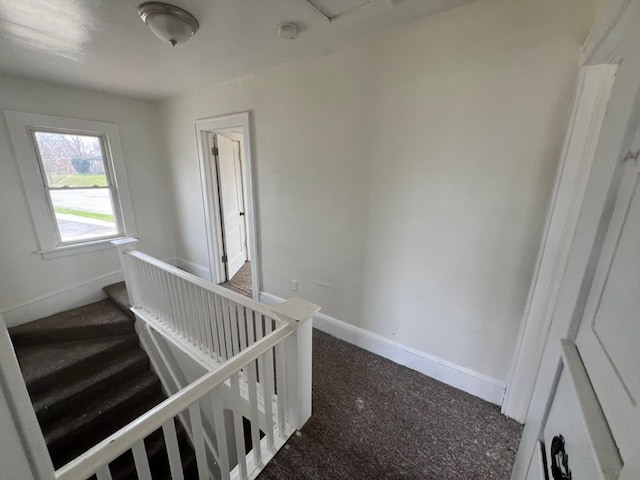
x=103, y=44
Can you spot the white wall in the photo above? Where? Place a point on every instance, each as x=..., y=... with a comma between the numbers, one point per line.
x=404, y=180
x=24, y=275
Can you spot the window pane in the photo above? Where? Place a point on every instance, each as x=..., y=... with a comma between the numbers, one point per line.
x=84, y=214
x=71, y=160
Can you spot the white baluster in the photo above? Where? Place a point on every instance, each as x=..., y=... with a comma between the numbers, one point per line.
x=182, y=305
x=197, y=316
x=266, y=380
x=142, y=286
x=173, y=451
x=198, y=441
x=170, y=318
x=188, y=316
x=224, y=304
x=202, y=320
x=104, y=473
x=193, y=315
x=233, y=319
x=242, y=327
x=207, y=323
x=252, y=384
x=141, y=460
x=221, y=436
x=281, y=376
x=213, y=320
x=220, y=324
x=239, y=431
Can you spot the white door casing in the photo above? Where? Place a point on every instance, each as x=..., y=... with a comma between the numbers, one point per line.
x=592, y=97
x=205, y=132
x=231, y=203
x=609, y=334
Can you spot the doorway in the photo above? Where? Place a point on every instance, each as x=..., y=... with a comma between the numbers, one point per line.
x=226, y=165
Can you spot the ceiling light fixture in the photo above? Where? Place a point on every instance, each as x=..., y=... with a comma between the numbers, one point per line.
x=169, y=23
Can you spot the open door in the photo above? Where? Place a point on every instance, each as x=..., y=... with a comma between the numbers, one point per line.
x=231, y=191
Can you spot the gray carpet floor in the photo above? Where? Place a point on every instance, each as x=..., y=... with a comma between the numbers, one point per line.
x=374, y=419
x=241, y=281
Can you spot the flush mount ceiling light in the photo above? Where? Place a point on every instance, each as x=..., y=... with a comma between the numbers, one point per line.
x=288, y=31
x=169, y=23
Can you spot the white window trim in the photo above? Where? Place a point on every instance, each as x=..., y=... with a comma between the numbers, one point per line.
x=20, y=125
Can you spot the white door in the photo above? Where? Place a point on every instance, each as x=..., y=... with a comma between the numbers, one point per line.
x=232, y=204
x=609, y=335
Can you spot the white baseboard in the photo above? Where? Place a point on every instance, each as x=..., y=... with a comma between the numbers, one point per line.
x=194, y=268
x=475, y=383
x=64, y=299
x=60, y=300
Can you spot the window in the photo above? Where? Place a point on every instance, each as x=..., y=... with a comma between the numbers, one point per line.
x=74, y=178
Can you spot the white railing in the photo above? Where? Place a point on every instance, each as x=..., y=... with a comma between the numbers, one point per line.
x=215, y=321
x=259, y=369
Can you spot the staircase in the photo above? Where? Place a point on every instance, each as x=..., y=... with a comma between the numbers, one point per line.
x=87, y=377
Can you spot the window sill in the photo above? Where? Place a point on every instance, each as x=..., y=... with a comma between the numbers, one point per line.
x=80, y=248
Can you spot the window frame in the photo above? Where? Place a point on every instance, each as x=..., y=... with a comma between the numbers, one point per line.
x=22, y=128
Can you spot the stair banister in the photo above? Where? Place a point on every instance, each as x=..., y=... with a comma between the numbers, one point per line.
x=121, y=441
x=214, y=326
x=296, y=312
x=23, y=452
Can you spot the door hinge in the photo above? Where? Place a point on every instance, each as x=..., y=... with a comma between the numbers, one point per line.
x=224, y=259
x=214, y=151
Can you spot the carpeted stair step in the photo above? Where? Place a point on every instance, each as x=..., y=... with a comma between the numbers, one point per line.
x=102, y=431
x=88, y=424
x=160, y=468
x=55, y=401
x=100, y=319
x=88, y=377
x=118, y=295
x=123, y=468
x=49, y=365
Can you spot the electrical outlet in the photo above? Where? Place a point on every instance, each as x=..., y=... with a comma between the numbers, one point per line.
x=294, y=285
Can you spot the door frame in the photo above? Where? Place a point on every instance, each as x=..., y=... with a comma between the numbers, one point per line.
x=592, y=96
x=211, y=201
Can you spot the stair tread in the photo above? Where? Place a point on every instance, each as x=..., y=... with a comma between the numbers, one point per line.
x=96, y=319
x=88, y=377
x=106, y=409
x=38, y=362
x=51, y=401
x=102, y=430
x=117, y=292
x=155, y=448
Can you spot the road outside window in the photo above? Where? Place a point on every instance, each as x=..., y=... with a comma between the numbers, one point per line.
x=77, y=180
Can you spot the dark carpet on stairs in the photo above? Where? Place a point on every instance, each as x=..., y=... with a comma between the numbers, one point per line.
x=88, y=377
x=374, y=419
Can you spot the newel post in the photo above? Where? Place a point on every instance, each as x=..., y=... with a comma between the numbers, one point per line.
x=298, y=313
x=124, y=245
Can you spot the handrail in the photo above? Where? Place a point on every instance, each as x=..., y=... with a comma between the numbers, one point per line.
x=212, y=287
x=122, y=440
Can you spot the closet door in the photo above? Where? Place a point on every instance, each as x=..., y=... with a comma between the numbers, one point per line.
x=609, y=337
